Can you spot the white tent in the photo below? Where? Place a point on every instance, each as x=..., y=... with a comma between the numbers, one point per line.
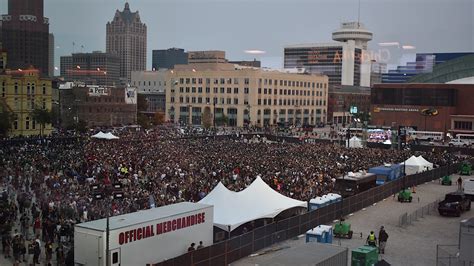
x=426, y=165
x=255, y=202
x=354, y=142
x=387, y=142
x=111, y=136
x=413, y=166
x=100, y=135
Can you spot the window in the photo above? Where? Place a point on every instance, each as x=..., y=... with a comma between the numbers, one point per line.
x=259, y=101
x=236, y=81
x=208, y=81
x=44, y=89
x=193, y=99
x=27, y=123
x=229, y=90
x=208, y=90
x=15, y=124
x=247, y=81
x=236, y=90
x=466, y=125
x=236, y=101
x=193, y=80
x=216, y=90
x=269, y=91
x=259, y=90
x=264, y=101
x=222, y=90
x=181, y=99
x=33, y=124
x=187, y=89
x=172, y=99
x=222, y=81
x=199, y=89
x=200, y=80
x=187, y=81
x=246, y=90
x=264, y=91
x=199, y=100
x=193, y=89
x=229, y=101
x=181, y=89
x=44, y=104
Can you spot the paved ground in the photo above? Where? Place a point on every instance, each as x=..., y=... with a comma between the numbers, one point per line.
x=413, y=245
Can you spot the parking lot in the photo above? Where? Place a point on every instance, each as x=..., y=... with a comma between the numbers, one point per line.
x=411, y=245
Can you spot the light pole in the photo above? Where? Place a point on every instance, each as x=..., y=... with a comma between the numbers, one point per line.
x=190, y=121
x=107, y=191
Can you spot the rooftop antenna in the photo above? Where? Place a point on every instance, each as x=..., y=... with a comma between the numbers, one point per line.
x=73, y=45
x=358, y=16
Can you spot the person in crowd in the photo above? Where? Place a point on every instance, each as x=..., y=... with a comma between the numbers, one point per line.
x=200, y=245
x=191, y=248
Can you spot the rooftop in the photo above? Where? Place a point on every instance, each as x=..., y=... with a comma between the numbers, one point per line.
x=144, y=216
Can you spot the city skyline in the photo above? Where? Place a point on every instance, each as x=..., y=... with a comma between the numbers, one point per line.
x=189, y=25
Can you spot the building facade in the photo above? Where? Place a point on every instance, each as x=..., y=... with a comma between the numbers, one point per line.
x=344, y=98
x=127, y=38
x=94, y=68
x=25, y=35
x=244, y=96
x=402, y=105
x=206, y=57
x=97, y=105
x=345, y=62
x=254, y=63
x=424, y=63
x=152, y=86
x=168, y=58
x=22, y=92
x=51, y=55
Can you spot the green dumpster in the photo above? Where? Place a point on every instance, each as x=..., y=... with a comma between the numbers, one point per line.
x=365, y=256
x=466, y=168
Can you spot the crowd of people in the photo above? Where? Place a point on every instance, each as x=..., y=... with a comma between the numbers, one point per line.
x=48, y=183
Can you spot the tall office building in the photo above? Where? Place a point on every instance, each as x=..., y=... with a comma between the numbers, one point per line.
x=51, y=55
x=126, y=37
x=424, y=63
x=25, y=35
x=345, y=62
x=94, y=68
x=168, y=58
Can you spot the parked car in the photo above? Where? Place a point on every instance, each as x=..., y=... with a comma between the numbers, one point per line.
x=458, y=143
x=454, y=203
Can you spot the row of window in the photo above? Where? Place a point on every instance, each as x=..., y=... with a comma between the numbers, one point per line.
x=265, y=91
x=233, y=111
x=275, y=82
x=105, y=99
x=30, y=89
x=27, y=124
x=31, y=104
x=289, y=102
x=148, y=83
x=464, y=125
x=234, y=101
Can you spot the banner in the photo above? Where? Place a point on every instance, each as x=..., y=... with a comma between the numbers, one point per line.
x=131, y=95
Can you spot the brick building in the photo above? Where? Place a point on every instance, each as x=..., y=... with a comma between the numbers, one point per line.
x=342, y=98
x=401, y=105
x=98, y=106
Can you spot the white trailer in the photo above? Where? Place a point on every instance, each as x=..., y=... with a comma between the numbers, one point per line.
x=469, y=187
x=144, y=237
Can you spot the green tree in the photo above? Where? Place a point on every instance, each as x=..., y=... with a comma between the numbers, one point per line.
x=143, y=121
x=207, y=118
x=6, y=120
x=42, y=116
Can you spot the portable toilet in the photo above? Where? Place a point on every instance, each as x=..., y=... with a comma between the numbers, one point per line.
x=316, y=234
x=316, y=203
x=327, y=229
x=326, y=200
x=336, y=197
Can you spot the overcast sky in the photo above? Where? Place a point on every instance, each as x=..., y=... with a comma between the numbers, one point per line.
x=238, y=25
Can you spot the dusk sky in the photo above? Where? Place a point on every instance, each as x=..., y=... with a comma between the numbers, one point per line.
x=238, y=25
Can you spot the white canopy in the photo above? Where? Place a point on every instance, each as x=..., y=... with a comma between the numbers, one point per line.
x=426, y=164
x=416, y=165
x=387, y=142
x=355, y=142
x=255, y=202
x=102, y=135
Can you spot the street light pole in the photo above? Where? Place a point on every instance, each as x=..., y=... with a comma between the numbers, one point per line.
x=107, y=235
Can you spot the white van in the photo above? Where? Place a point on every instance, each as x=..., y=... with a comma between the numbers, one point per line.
x=469, y=187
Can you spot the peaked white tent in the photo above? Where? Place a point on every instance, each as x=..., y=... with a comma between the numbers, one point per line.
x=255, y=202
x=355, y=142
x=413, y=165
x=427, y=165
x=102, y=135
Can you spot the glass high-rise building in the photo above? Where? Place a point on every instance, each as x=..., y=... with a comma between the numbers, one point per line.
x=168, y=58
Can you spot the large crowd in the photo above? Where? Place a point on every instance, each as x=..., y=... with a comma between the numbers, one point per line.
x=48, y=183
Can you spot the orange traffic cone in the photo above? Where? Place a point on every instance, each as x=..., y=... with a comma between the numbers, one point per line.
x=413, y=190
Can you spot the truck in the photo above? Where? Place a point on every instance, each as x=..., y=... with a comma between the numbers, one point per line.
x=454, y=203
x=353, y=183
x=469, y=188
x=144, y=237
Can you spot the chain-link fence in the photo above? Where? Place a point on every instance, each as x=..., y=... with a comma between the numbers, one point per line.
x=408, y=218
x=448, y=255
